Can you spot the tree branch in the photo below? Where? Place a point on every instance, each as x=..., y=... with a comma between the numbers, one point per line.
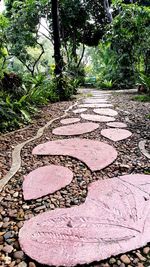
x=83, y=50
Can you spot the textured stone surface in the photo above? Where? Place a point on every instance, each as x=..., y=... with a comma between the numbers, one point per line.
x=95, y=101
x=46, y=180
x=70, y=120
x=117, y=124
x=79, y=110
x=76, y=129
x=95, y=105
x=116, y=134
x=114, y=219
x=96, y=155
x=106, y=111
x=98, y=118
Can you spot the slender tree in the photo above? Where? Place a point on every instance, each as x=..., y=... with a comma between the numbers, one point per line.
x=57, y=48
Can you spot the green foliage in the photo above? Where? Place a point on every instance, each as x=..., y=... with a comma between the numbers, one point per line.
x=145, y=81
x=142, y=98
x=124, y=53
x=15, y=111
x=11, y=83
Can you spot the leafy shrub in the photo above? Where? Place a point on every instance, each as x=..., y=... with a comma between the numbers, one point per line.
x=11, y=83
x=15, y=110
x=145, y=80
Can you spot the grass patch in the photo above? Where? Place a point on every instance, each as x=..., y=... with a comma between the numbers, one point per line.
x=142, y=98
x=148, y=116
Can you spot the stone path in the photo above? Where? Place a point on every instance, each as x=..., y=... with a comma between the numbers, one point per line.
x=115, y=216
x=45, y=180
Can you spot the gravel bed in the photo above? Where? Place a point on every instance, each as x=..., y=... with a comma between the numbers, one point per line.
x=9, y=140
x=14, y=210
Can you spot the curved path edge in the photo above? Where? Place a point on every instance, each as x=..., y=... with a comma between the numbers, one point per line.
x=16, y=153
x=143, y=149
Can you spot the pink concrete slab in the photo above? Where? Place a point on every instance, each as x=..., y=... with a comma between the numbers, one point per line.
x=46, y=180
x=95, y=101
x=70, y=120
x=117, y=124
x=96, y=155
x=98, y=118
x=116, y=134
x=114, y=219
x=79, y=110
x=76, y=129
x=95, y=105
x=106, y=111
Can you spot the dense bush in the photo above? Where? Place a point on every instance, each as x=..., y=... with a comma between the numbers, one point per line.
x=15, y=109
x=124, y=54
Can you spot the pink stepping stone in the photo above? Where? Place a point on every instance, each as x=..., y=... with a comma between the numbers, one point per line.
x=98, y=118
x=106, y=111
x=76, y=129
x=45, y=180
x=96, y=155
x=79, y=110
x=117, y=124
x=70, y=120
x=116, y=134
x=95, y=105
x=95, y=101
x=114, y=219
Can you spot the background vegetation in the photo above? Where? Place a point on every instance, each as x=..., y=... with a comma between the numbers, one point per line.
x=49, y=48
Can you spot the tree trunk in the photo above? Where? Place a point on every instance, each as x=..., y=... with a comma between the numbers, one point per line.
x=57, y=47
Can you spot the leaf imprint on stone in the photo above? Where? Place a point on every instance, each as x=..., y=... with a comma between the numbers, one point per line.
x=114, y=219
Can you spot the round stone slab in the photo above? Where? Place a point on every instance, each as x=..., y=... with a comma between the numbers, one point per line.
x=98, y=118
x=117, y=124
x=114, y=219
x=46, y=180
x=76, y=129
x=106, y=111
x=79, y=110
x=96, y=155
x=70, y=120
x=95, y=101
x=116, y=134
x=95, y=105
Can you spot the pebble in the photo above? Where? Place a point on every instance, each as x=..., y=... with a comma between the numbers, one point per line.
x=141, y=258
x=9, y=235
x=13, y=263
x=122, y=265
x=125, y=259
x=7, y=260
x=146, y=250
x=22, y=264
x=105, y=265
x=140, y=264
x=32, y=264
x=15, y=194
x=1, y=239
x=112, y=260
x=118, y=262
x=8, y=249
x=19, y=255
